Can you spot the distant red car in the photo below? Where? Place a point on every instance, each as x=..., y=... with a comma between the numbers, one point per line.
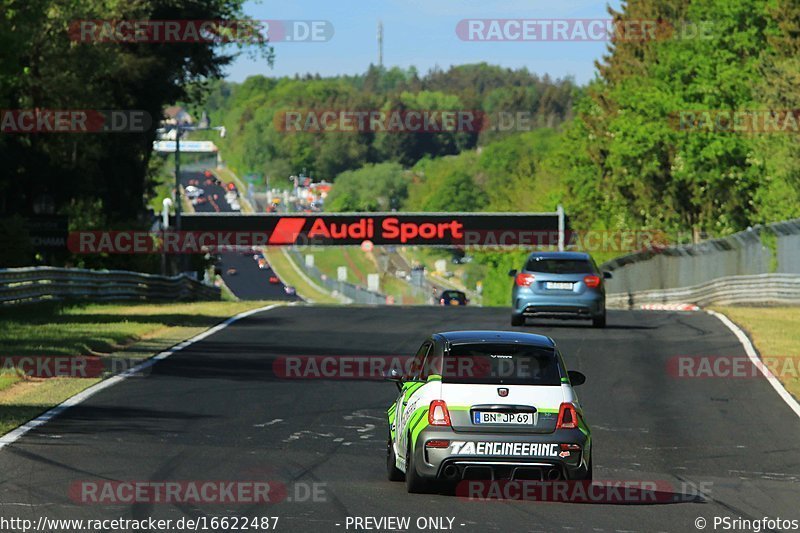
x=274, y=280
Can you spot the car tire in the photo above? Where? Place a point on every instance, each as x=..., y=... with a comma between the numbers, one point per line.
x=415, y=484
x=517, y=320
x=585, y=476
x=393, y=473
x=599, y=321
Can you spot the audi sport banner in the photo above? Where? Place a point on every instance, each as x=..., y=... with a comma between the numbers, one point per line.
x=442, y=229
x=201, y=233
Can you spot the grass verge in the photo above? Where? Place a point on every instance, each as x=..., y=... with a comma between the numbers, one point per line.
x=775, y=331
x=281, y=264
x=131, y=331
x=359, y=265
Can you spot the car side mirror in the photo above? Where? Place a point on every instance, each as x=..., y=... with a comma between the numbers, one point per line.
x=576, y=378
x=512, y=272
x=396, y=376
x=607, y=275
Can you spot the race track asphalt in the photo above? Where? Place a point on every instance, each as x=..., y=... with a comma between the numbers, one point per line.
x=217, y=411
x=248, y=282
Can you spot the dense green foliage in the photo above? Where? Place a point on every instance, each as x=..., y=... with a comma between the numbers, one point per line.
x=630, y=162
x=512, y=174
x=254, y=110
x=631, y=159
x=381, y=187
x=103, y=177
x=617, y=153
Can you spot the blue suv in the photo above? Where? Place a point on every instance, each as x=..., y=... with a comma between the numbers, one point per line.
x=559, y=285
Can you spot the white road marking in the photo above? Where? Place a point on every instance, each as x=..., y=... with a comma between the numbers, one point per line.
x=670, y=307
x=621, y=430
x=753, y=355
x=271, y=422
x=298, y=434
x=44, y=418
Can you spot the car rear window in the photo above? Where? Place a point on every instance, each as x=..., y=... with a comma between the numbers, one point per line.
x=453, y=294
x=559, y=266
x=501, y=364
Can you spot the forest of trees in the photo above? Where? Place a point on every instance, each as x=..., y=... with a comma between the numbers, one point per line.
x=615, y=152
x=98, y=179
x=627, y=164
x=257, y=145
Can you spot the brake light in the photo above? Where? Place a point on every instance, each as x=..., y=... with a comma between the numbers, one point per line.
x=439, y=444
x=567, y=417
x=592, y=281
x=525, y=280
x=438, y=415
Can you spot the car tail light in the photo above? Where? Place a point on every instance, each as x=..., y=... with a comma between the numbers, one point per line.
x=592, y=281
x=438, y=415
x=439, y=444
x=570, y=447
x=567, y=417
x=525, y=280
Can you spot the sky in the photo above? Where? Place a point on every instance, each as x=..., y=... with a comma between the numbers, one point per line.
x=420, y=33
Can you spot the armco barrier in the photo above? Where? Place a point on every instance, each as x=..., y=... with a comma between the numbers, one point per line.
x=38, y=284
x=757, y=266
x=354, y=293
x=759, y=289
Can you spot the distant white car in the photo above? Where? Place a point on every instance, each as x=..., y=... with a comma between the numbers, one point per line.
x=193, y=192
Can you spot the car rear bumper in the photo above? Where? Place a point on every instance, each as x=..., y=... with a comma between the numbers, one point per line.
x=583, y=306
x=502, y=455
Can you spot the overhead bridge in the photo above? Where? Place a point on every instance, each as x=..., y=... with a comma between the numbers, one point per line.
x=404, y=229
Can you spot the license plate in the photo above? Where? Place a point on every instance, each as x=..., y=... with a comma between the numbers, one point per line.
x=484, y=417
x=558, y=285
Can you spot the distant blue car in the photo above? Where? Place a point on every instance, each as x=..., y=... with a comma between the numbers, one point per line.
x=559, y=285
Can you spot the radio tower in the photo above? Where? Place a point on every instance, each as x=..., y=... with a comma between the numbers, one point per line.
x=380, y=44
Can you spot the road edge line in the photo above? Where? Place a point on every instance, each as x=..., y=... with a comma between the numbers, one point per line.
x=752, y=354
x=15, y=434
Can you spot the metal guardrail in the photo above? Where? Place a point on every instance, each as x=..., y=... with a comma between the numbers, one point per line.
x=770, y=249
x=355, y=293
x=763, y=289
x=39, y=284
